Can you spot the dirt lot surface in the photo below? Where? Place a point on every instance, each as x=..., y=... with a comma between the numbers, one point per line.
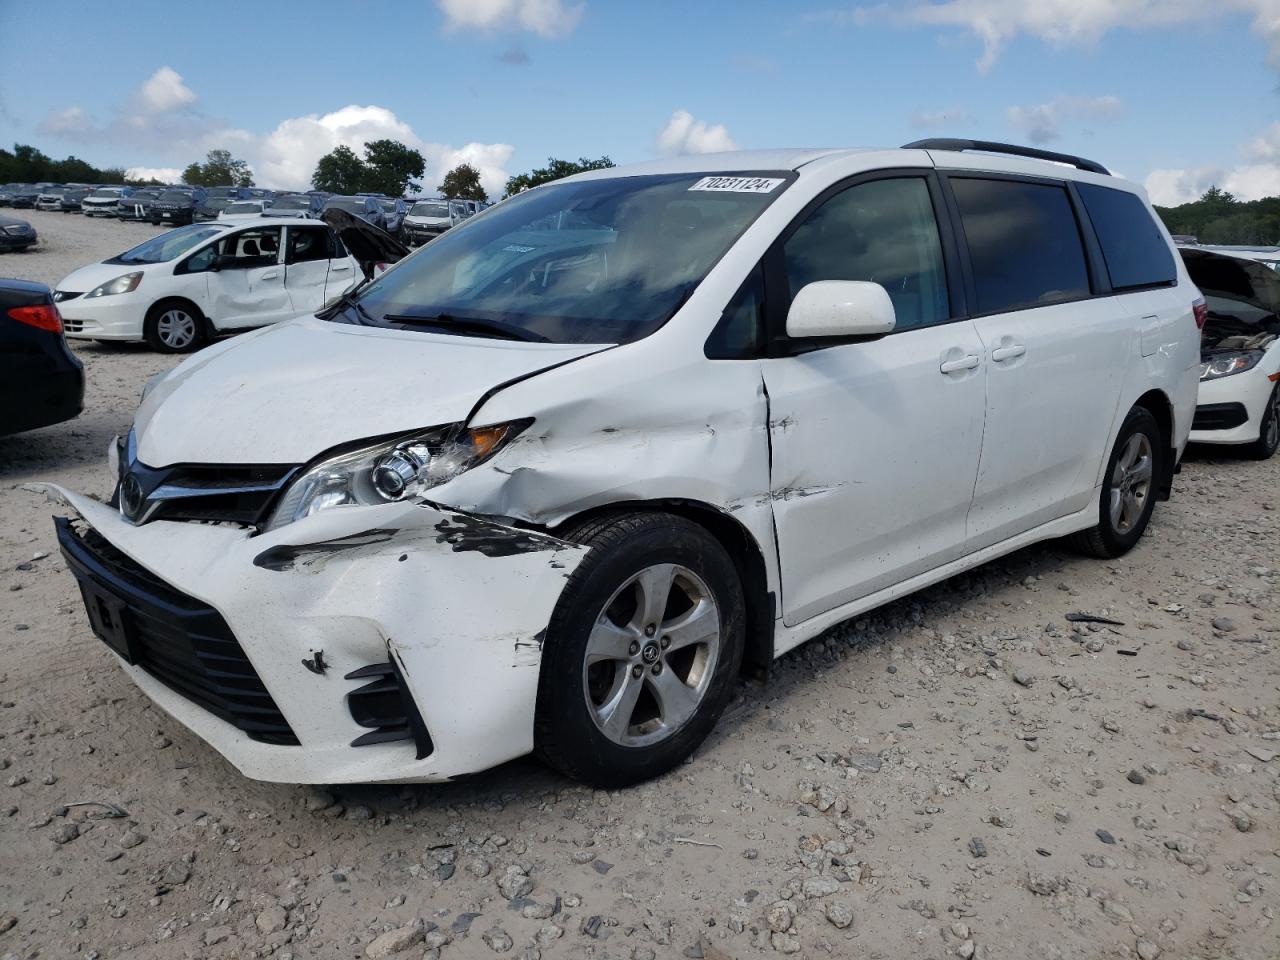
x=963, y=773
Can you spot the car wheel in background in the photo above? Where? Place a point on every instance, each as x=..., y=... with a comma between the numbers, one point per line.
x=1129, y=488
x=642, y=651
x=174, y=326
x=1268, y=430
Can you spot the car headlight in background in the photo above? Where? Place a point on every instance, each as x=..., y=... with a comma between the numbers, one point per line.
x=1226, y=364
x=125, y=284
x=392, y=470
x=17, y=229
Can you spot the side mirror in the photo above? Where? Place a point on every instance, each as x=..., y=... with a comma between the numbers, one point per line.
x=216, y=263
x=841, y=308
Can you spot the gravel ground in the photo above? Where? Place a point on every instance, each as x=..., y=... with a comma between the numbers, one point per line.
x=962, y=773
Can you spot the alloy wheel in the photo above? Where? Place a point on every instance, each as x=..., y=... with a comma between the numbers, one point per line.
x=1131, y=483
x=651, y=655
x=1272, y=423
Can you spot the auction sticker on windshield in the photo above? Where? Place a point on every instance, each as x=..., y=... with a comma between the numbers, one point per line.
x=738, y=184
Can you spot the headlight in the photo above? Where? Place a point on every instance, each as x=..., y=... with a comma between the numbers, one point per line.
x=1226, y=364
x=17, y=229
x=392, y=470
x=126, y=284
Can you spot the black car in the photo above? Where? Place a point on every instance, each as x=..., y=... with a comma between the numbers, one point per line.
x=15, y=234
x=178, y=206
x=25, y=196
x=72, y=199
x=41, y=380
x=137, y=205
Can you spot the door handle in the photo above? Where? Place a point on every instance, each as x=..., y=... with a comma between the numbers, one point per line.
x=1008, y=353
x=964, y=363
x=273, y=275
x=342, y=266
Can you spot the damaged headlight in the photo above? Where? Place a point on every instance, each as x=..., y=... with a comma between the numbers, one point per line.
x=1226, y=364
x=392, y=470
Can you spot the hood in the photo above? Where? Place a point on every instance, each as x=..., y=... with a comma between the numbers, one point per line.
x=289, y=392
x=367, y=243
x=422, y=221
x=86, y=278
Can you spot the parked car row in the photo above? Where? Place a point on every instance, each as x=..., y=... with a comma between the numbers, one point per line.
x=414, y=221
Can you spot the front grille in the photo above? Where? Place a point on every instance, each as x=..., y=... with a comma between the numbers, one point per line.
x=235, y=494
x=1219, y=416
x=177, y=639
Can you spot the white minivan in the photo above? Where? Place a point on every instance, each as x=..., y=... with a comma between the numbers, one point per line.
x=180, y=287
x=551, y=481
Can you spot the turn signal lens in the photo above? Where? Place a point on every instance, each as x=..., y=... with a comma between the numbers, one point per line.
x=44, y=316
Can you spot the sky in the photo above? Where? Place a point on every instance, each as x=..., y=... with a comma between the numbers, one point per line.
x=1176, y=94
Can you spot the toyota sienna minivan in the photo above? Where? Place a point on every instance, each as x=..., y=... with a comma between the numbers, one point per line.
x=550, y=482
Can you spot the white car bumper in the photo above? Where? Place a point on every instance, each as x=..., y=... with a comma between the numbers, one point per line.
x=103, y=318
x=1229, y=409
x=457, y=603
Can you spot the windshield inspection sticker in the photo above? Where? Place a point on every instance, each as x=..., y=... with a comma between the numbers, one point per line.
x=738, y=184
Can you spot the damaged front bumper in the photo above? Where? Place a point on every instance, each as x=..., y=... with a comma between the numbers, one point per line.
x=395, y=643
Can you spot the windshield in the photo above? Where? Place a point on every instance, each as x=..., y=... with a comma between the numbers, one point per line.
x=243, y=206
x=388, y=205
x=600, y=261
x=351, y=206
x=292, y=203
x=168, y=246
x=106, y=194
x=430, y=210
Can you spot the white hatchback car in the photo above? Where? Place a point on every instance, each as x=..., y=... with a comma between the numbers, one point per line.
x=1239, y=401
x=176, y=289
x=551, y=480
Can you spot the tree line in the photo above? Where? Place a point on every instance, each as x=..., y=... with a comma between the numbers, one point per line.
x=1218, y=217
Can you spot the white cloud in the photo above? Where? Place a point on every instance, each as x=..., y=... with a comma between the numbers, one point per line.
x=1257, y=177
x=163, y=174
x=164, y=91
x=684, y=134
x=1061, y=22
x=157, y=120
x=930, y=119
x=1041, y=123
x=546, y=18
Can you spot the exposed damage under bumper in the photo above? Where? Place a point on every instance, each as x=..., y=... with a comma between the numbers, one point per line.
x=452, y=607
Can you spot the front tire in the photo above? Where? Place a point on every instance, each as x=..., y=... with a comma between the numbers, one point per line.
x=642, y=651
x=1129, y=488
x=1268, y=430
x=174, y=326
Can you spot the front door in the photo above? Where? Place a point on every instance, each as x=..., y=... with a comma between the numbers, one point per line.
x=247, y=289
x=308, y=263
x=875, y=445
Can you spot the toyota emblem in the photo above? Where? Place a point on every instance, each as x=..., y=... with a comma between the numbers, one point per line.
x=131, y=497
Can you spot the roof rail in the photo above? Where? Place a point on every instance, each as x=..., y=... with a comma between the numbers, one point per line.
x=990, y=146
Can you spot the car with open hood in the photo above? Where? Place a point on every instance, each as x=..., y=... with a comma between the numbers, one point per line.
x=177, y=289
x=1239, y=400
x=552, y=480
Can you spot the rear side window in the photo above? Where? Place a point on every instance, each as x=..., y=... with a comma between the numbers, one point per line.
x=1024, y=243
x=1136, y=252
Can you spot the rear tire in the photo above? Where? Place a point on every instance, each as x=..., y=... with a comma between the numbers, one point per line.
x=174, y=326
x=642, y=651
x=1129, y=488
x=1268, y=441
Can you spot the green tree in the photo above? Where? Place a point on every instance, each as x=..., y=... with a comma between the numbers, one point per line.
x=554, y=170
x=219, y=169
x=392, y=168
x=1218, y=217
x=339, y=171
x=26, y=164
x=463, y=181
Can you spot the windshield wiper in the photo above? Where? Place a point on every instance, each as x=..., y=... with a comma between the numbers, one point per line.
x=469, y=326
x=348, y=299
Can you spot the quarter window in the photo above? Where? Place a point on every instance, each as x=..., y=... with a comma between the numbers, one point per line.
x=1135, y=250
x=1024, y=243
x=883, y=231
